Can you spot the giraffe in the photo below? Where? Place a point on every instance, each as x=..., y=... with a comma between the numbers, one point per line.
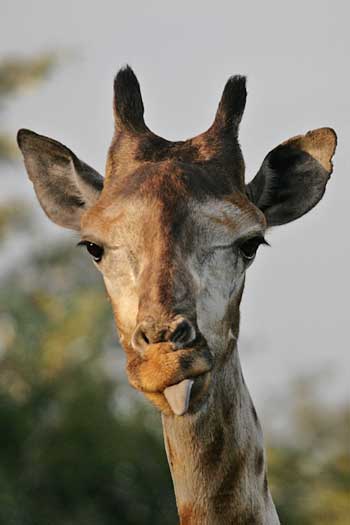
x=173, y=227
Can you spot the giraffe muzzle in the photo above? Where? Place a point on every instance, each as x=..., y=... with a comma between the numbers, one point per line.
x=180, y=332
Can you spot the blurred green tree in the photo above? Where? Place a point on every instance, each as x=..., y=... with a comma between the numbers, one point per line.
x=17, y=74
x=310, y=470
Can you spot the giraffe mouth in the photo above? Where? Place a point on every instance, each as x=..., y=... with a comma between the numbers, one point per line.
x=173, y=379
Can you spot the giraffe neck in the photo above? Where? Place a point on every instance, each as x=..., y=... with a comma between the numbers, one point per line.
x=217, y=459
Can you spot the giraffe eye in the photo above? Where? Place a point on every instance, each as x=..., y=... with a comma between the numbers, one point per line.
x=94, y=250
x=249, y=247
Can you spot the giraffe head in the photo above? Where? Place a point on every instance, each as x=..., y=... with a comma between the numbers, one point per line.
x=173, y=228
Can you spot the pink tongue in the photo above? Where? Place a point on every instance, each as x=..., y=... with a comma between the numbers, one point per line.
x=178, y=396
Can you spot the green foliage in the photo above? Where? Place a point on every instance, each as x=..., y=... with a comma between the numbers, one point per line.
x=8, y=149
x=17, y=74
x=310, y=471
x=15, y=217
x=69, y=455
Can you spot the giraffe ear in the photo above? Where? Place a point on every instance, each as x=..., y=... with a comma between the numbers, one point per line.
x=293, y=176
x=64, y=185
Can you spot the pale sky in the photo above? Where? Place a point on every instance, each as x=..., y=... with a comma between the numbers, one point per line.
x=295, y=312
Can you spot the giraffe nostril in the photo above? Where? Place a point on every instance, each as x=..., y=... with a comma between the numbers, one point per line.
x=144, y=337
x=139, y=340
x=183, y=334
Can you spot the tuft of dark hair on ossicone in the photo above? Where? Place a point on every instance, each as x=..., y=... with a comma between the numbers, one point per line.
x=128, y=105
x=232, y=104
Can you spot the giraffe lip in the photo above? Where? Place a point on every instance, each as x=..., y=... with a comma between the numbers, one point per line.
x=178, y=396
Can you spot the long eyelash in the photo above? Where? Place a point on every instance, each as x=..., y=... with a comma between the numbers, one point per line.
x=262, y=240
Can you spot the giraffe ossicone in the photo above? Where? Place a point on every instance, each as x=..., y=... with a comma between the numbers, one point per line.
x=173, y=227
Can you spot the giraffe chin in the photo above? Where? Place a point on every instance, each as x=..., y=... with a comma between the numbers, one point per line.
x=188, y=395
